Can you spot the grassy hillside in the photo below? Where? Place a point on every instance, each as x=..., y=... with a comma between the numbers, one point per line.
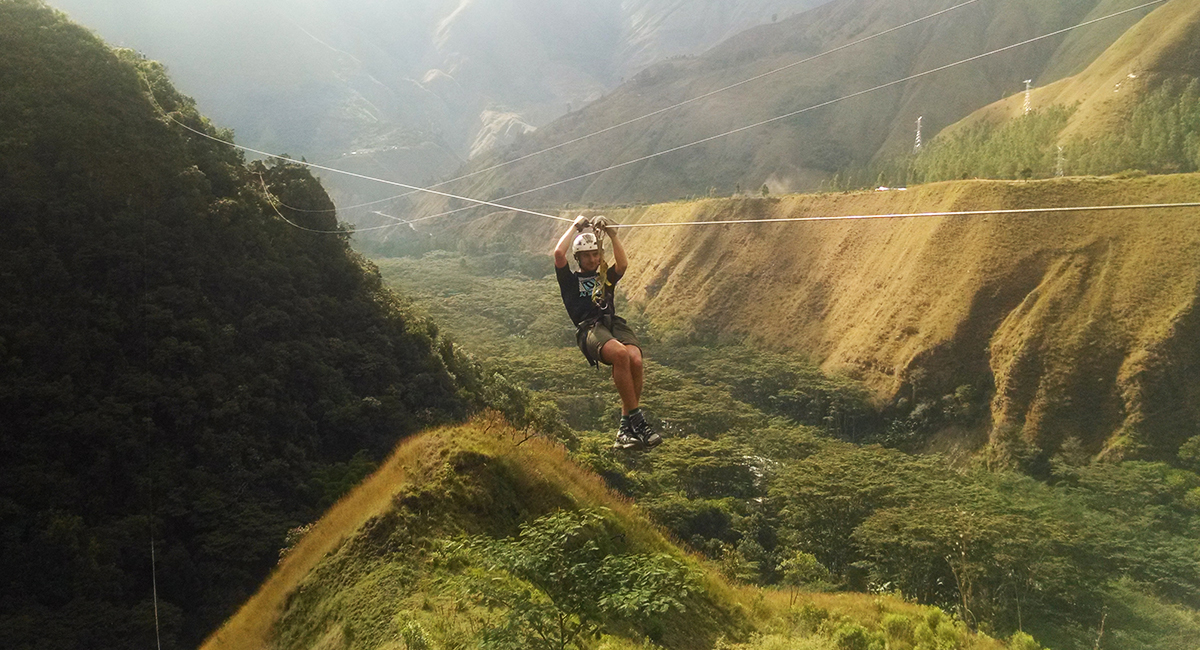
x=1134, y=107
x=392, y=567
x=803, y=152
x=1076, y=325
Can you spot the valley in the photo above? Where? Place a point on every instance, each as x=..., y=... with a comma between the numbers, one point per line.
x=946, y=399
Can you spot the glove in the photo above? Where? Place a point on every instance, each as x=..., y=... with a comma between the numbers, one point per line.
x=602, y=223
x=581, y=222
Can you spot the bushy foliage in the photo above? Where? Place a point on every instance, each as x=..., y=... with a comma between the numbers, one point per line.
x=1161, y=135
x=564, y=578
x=988, y=150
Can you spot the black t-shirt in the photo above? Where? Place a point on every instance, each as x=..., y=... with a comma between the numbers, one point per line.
x=576, y=291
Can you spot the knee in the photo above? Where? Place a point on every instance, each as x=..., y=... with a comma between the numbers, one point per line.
x=618, y=355
x=635, y=357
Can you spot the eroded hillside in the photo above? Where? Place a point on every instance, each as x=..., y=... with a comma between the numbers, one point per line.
x=1078, y=324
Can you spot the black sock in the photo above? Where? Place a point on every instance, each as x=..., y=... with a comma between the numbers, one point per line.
x=632, y=413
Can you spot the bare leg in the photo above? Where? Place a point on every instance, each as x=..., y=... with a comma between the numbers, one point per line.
x=617, y=355
x=635, y=369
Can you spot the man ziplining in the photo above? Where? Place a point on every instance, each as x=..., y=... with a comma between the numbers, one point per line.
x=602, y=336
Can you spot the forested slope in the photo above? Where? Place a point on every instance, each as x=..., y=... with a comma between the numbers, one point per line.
x=179, y=365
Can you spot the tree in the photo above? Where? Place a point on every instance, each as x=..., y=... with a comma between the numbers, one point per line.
x=802, y=569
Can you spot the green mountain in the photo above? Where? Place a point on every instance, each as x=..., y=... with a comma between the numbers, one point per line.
x=1136, y=107
x=184, y=373
x=805, y=151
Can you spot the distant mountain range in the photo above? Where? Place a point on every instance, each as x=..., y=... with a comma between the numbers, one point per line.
x=408, y=90
x=805, y=151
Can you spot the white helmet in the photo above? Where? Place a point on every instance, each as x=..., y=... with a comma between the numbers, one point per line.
x=585, y=242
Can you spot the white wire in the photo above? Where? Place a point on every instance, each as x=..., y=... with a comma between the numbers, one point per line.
x=154, y=583
x=352, y=174
x=647, y=157
x=668, y=108
x=912, y=215
x=813, y=107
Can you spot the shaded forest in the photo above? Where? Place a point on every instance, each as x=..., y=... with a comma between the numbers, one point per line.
x=180, y=366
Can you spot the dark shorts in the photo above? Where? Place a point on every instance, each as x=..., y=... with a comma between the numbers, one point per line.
x=599, y=335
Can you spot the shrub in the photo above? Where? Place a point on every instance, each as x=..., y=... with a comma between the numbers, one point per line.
x=898, y=630
x=852, y=636
x=1022, y=641
x=414, y=636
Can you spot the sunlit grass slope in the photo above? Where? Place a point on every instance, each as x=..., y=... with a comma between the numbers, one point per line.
x=1083, y=324
x=373, y=572
x=477, y=479
x=1162, y=45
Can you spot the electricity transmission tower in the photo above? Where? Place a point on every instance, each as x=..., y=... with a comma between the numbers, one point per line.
x=1060, y=163
x=1028, y=92
x=917, y=146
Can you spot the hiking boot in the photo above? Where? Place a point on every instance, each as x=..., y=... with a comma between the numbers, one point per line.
x=643, y=432
x=627, y=439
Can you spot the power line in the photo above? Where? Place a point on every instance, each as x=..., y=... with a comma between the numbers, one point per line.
x=912, y=215
x=647, y=157
x=672, y=106
x=154, y=583
x=816, y=106
x=347, y=173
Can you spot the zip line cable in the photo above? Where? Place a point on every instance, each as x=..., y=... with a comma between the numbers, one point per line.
x=813, y=107
x=479, y=202
x=773, y=119
x=154, y=574
x=348, y=173
x=665, y=109
x=913, y=215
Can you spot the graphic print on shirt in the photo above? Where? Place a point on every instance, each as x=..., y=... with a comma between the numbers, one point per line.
x=587, y=286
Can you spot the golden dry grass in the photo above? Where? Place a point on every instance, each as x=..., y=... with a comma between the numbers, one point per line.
x=1071, y=316
x=250, y=627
